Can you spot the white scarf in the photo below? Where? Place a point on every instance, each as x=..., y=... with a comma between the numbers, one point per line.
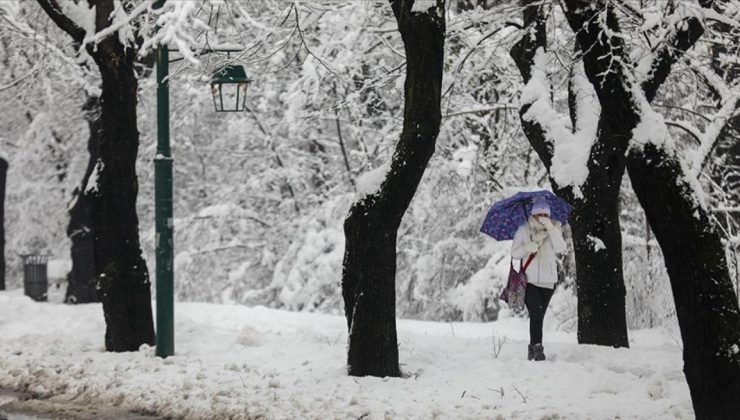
x=538, y=231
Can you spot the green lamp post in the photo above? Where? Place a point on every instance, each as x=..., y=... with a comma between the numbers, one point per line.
x=163, y=221
x=229, y=88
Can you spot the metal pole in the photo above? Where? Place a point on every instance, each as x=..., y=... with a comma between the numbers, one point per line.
x=163, y=211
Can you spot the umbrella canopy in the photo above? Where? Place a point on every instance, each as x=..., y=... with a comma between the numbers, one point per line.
x=505, y=216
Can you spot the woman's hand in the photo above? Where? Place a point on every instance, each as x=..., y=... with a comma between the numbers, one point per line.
x=531, y=247
x=547, y=223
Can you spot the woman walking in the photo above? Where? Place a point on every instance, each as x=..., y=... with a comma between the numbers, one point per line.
x=538, y=240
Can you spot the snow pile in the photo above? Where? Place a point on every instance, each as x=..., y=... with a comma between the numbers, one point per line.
x=239, y=362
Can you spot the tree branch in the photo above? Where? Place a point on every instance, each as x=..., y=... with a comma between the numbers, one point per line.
x=687, y=128
x=523, y=53
x=684, y=35
x=402, y=11
x=52, y=8
x=606, y=62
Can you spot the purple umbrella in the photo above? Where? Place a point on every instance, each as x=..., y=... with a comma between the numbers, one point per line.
x=505, y=216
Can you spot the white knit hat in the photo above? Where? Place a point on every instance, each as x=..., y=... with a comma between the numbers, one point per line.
x=540, y=206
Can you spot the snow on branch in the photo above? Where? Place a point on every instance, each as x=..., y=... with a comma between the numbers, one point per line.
x=691, y=129
x=120, y=24
x=652, y=129
x=571, y=150
x=176, y=21
x=712, y=131
x=715, y=82
x=683, y=28
x=711, y=14
x=729, y=101
x=71, y=18
x=10, y=17
x=370, y=182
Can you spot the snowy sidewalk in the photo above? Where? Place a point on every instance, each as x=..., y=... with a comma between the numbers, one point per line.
x=239, y=362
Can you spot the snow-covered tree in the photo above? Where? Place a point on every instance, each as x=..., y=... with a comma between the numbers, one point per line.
x=669, y=192
x=105, y=30
x=371, y=228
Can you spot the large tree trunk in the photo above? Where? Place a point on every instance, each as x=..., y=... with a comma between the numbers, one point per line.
x=706, y=304
x=82, y=279
x=597, y=241
x=123, y=278
x=3, y=178
x=595, y=219
x=368, y=277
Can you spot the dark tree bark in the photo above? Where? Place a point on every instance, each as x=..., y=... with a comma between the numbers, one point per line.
x=706, y=305
x=3, y=178
x=600, y=286
x=82, y=279
x=599, y=274
x=368, y=277
x=122, y=276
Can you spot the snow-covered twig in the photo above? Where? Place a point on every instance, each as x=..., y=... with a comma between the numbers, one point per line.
x=176, y=21
x=117, y=24
x=711, y=133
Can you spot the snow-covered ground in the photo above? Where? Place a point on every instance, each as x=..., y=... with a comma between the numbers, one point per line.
x=240, y=362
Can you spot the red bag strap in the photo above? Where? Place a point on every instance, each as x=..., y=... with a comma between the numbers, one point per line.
x=523, y=268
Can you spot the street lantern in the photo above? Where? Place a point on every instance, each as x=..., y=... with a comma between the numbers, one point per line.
x=229, y=89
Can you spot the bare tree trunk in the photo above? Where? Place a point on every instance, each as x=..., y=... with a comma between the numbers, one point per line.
x=3, y=179
x=706, y=304
x=122, y=275
x=82, y=279
x=597, y=241
x=368, y=277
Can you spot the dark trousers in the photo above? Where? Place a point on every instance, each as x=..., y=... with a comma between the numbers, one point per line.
x=536, y=299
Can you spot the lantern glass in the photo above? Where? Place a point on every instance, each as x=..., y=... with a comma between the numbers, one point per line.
x=216, y=92
x=229, y=89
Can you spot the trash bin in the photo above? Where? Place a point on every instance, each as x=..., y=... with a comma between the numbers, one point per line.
x=35, y=282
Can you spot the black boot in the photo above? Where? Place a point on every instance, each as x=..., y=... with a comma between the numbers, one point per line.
x=530, y=352
x=537, y=352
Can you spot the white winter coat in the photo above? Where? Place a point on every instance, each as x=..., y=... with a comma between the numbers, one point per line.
x=543, y=270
